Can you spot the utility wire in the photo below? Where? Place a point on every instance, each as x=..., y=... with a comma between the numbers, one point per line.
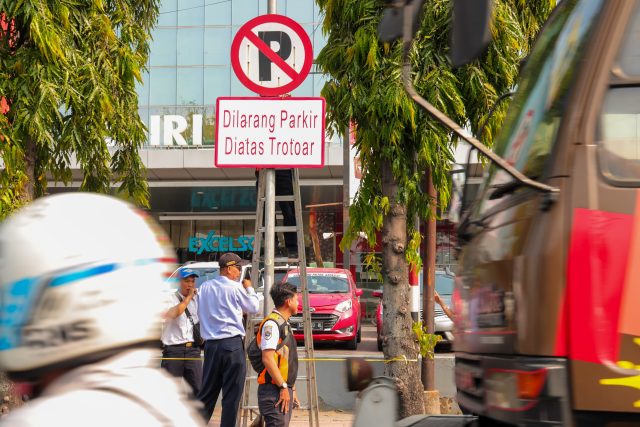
x=196, y=7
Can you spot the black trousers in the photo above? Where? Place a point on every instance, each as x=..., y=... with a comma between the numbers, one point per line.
x=224, y=370
x=190, y=370
x=284, y=187
x=268, y=395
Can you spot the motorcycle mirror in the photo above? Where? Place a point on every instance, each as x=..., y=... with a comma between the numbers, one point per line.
x=359, y=374
x=391, y=26
x=458, y=180
x=471, y=30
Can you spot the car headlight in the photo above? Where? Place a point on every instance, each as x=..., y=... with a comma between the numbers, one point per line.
x=344, y=306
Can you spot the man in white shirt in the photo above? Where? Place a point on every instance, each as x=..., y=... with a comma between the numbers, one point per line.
x=277, y=382
x=221, y=302
x=180, y=352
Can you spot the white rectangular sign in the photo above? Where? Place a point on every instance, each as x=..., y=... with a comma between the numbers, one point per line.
x=270, y=132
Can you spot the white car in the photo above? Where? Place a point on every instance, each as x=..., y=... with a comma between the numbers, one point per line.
x=206, y=271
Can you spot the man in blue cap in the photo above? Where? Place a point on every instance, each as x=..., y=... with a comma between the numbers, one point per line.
x=180, y=352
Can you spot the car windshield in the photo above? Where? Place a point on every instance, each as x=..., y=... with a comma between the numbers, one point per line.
x=444, y=284
x=278, y=276
x=323, y=284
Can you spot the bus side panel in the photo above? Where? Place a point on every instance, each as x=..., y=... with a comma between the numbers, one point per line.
x=602, y=329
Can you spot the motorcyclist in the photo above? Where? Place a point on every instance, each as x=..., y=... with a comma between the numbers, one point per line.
x=81, y=294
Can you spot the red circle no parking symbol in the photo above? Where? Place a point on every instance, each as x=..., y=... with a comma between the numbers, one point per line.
x=271, y=55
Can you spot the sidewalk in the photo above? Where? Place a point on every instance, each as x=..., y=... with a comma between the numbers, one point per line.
x=301, y=419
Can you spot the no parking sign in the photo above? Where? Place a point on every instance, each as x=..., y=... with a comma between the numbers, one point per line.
x=271, y=55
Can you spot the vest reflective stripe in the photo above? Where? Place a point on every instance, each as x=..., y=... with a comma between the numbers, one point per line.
x=286, y=357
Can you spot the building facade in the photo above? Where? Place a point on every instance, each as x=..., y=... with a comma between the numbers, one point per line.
x=205, y=210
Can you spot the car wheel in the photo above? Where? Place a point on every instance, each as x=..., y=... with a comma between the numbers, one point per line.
x=359, y=335
x=353, y=344
x=379, y=344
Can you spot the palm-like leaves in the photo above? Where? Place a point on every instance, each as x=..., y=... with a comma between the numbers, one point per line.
x=68, y=70
x=365, y=87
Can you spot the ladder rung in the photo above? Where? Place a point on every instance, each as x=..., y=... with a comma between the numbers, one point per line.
x=287, y=260
x=255, y=408
x=282, y=261
x=300, y=378
x=284, y=198
x=282, y=228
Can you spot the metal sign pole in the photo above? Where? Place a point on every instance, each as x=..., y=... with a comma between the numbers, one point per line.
x=270, y=219
x=269, y=237
x=266, y=200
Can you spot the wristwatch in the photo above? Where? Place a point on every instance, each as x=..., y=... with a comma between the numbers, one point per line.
x=284, y=385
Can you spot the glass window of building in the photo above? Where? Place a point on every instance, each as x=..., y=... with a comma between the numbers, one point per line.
x=190, y=90
x=217, y=82
x=190, y=46
x=217, y=45
x=217, y=13
x=168, y=13
x=162, y=86
x=190, y=13
x=300, y=11
x=243, y=11
x=163, y=48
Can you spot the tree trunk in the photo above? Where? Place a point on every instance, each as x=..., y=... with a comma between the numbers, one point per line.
x=28, y=192
x=399, y=340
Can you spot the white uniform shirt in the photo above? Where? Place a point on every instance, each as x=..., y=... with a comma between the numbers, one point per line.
x=179, y=330
x=270, y=335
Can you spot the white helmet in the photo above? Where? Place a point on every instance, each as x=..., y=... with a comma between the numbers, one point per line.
x=82, y=276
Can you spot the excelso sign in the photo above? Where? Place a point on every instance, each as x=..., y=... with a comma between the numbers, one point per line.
x=270, y=132
x=213, y=243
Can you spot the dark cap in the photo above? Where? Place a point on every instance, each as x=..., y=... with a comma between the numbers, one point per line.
x=231, y=259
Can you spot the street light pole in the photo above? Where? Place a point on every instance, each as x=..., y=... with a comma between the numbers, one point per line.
x=346, y=193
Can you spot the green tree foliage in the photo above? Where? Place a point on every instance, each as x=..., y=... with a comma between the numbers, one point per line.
x=394, y=136
x=365, y=87
x=426, y=342
x=68, y=70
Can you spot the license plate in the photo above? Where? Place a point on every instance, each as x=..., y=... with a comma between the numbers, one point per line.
x=296, y=325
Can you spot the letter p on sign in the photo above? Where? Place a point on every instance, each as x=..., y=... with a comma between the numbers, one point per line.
x=271, y=55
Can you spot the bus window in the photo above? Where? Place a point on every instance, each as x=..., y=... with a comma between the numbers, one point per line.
x=530, y=129
x=628, y=62
x=619, y=136
x=619, y=125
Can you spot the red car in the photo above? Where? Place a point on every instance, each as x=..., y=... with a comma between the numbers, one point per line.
x=334, y=301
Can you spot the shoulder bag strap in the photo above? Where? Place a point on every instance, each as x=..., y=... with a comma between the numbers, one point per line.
x=186, y=310
x=280, y=321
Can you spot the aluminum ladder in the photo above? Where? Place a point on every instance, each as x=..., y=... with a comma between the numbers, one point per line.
x=247, y=411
